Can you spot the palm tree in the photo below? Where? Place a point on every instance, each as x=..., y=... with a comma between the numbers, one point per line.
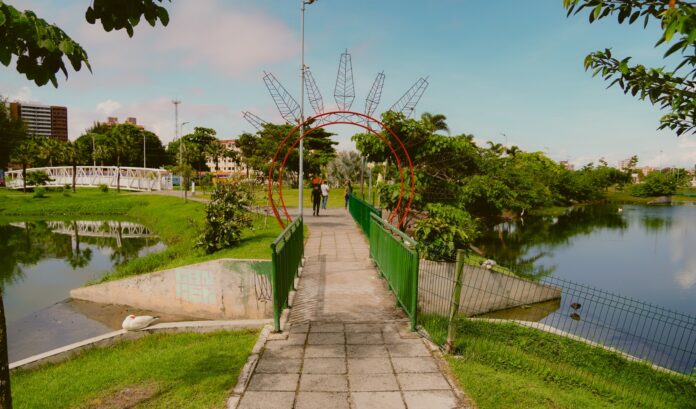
x=47, y=149
x=121, y=145
x=513, y=150
x=214, y=152
x=496, y=148
x=25, y=154
x=71, y=154
x=435, y=122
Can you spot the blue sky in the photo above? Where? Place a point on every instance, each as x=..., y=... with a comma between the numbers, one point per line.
x=497, y=67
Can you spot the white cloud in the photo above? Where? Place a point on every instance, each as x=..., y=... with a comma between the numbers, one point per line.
x=22, y=95
x=108, y=107
x=686, y=279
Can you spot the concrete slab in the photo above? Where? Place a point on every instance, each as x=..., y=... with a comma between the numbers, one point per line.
x=283, y=365
x=415, y=365
x=267, y=400
x=373, y=383
x=411, y=349
x=369, y=366
x=334, y=366
x=322, y=400
x=378, y=400
x=325, y=351
x=364, y=338
x=366, y=351
x=324, y=383
x=273, y=382
x=431, y=400
x=326, y=338
x=422, y=381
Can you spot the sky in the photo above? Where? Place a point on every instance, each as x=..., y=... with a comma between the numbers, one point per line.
x=507, y=71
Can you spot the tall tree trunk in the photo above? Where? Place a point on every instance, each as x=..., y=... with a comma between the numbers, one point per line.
x=118, y=174
x=24, y=177
x=74, y=176
x=5, y=390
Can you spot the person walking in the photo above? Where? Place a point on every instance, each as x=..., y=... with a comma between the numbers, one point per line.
x=324, y=193
x=349, y=191
x=316, y=199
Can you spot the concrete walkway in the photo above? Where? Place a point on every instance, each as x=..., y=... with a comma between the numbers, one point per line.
x=348, y=346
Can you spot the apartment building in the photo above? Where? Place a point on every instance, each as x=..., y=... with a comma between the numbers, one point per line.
x=42, y=120
x=226, y=165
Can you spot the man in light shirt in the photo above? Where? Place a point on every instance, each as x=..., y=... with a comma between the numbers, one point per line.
x=324, y=193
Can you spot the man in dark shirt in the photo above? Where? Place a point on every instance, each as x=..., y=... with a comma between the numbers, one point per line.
x=316, y=199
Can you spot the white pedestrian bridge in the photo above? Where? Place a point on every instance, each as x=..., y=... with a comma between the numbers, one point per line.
x=118, y=230
x=139, y=179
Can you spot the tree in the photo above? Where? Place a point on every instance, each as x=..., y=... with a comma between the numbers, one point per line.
x=24, y=154
x=120, y=145
x=345, y=166
x=47, y=149
x=12, y=133
x=226, y=215
x=673, y=90
x=247, y=144
x=435, y=122
x=73, y=155
x=195, y=145
x=214, y=152
x=40, y=48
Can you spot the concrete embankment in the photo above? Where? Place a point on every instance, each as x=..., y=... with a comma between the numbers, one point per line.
x=219, y=289
x=483, y=290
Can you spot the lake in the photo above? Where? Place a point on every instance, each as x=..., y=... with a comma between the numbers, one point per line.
x=643, y=252
x=40, y=261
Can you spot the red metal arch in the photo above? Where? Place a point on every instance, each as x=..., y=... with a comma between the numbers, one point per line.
x=344, y=122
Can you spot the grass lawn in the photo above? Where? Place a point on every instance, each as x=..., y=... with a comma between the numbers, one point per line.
x=624, y=197
x=508, y=366
x=178, y=224
x=167, y=370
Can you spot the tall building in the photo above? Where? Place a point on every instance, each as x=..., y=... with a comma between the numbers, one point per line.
x=227, y=165
x=42, y=120
x=112, y=120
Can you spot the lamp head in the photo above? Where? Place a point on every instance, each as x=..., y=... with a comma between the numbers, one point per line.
x=308, y=1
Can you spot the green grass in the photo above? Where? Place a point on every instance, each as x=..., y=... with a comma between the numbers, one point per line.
x=178, y=225
x=509, y=366
x=187, y=370
x=624, y=197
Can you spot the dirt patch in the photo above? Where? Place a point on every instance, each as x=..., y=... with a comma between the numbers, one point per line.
x=124, y=398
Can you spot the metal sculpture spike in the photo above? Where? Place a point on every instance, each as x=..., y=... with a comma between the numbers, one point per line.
x=313, y=93
x=344, y=92
x=287, y=106
x=407, y=103
x=254, y=120
x=375, y=95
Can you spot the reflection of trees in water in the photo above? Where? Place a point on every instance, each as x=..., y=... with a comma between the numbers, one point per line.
x=519, y=245
x=655, y=224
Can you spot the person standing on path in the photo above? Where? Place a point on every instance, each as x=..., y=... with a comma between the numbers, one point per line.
x=349, y=191
x=316, y=199
x=324, y=193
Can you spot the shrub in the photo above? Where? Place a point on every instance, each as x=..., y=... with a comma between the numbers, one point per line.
x=445, y=230
x=225, y=217
x=39, y=193
x=104, y=188
x=659, y=184
x=37, y=178
x=67, y=186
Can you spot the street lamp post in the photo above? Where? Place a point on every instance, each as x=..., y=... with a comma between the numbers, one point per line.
x=302, y=80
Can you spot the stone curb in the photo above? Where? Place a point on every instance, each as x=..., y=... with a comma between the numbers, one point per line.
x=248, y=369
x=65, y=352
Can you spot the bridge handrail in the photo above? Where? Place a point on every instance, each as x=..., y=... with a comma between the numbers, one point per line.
x=286, y=256
x=132, y=178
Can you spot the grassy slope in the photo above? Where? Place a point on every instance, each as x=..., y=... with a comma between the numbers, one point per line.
x=189, y=370
x=624, y=197
x=177, y=223
x=509, y=366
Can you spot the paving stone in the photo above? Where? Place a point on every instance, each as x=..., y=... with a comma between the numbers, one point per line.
x=373, y=383
x=324, y=383
x=280, y=349
x=280, y=365
x=335, y=366
x=325, y=351
x=326, y=327
x=299, y=328
x=362, y=338
x=366, y=351
x=379, y=400
x=360, y=327
x=273, y=382
x=297, y=339
x=267, y=400
x=369, y=365
x=415, y=365
x=326, y=338
x=422, y=381
x=410, y=349
x=322, y=400
x=431, y=399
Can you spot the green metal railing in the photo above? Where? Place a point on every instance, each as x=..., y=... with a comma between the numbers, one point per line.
x=361, y=211
x=286, y=255
x=397, y=260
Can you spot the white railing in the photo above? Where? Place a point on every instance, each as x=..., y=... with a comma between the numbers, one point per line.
x=140, y=179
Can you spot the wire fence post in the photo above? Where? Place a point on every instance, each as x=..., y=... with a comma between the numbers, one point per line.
x=454, y=302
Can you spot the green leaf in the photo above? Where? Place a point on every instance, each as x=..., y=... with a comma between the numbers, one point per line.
x=66, y=46
x=2, y=18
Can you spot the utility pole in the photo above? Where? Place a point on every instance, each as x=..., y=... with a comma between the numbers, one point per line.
x=302, y=83
x=176, y=103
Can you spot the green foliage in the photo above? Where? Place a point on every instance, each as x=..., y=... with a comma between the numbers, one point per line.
x=103, y=188
x=660, y=183
x=37, y=178
x=12, y=133
x=41, y=48
x=226, y=217
x=669, y=89
x=96, y=145
x=194, y=148
x=40, y=193
x=445, y=230
x=345, y=166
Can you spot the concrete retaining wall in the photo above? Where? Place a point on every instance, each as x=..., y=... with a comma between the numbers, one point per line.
x=483, y=290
